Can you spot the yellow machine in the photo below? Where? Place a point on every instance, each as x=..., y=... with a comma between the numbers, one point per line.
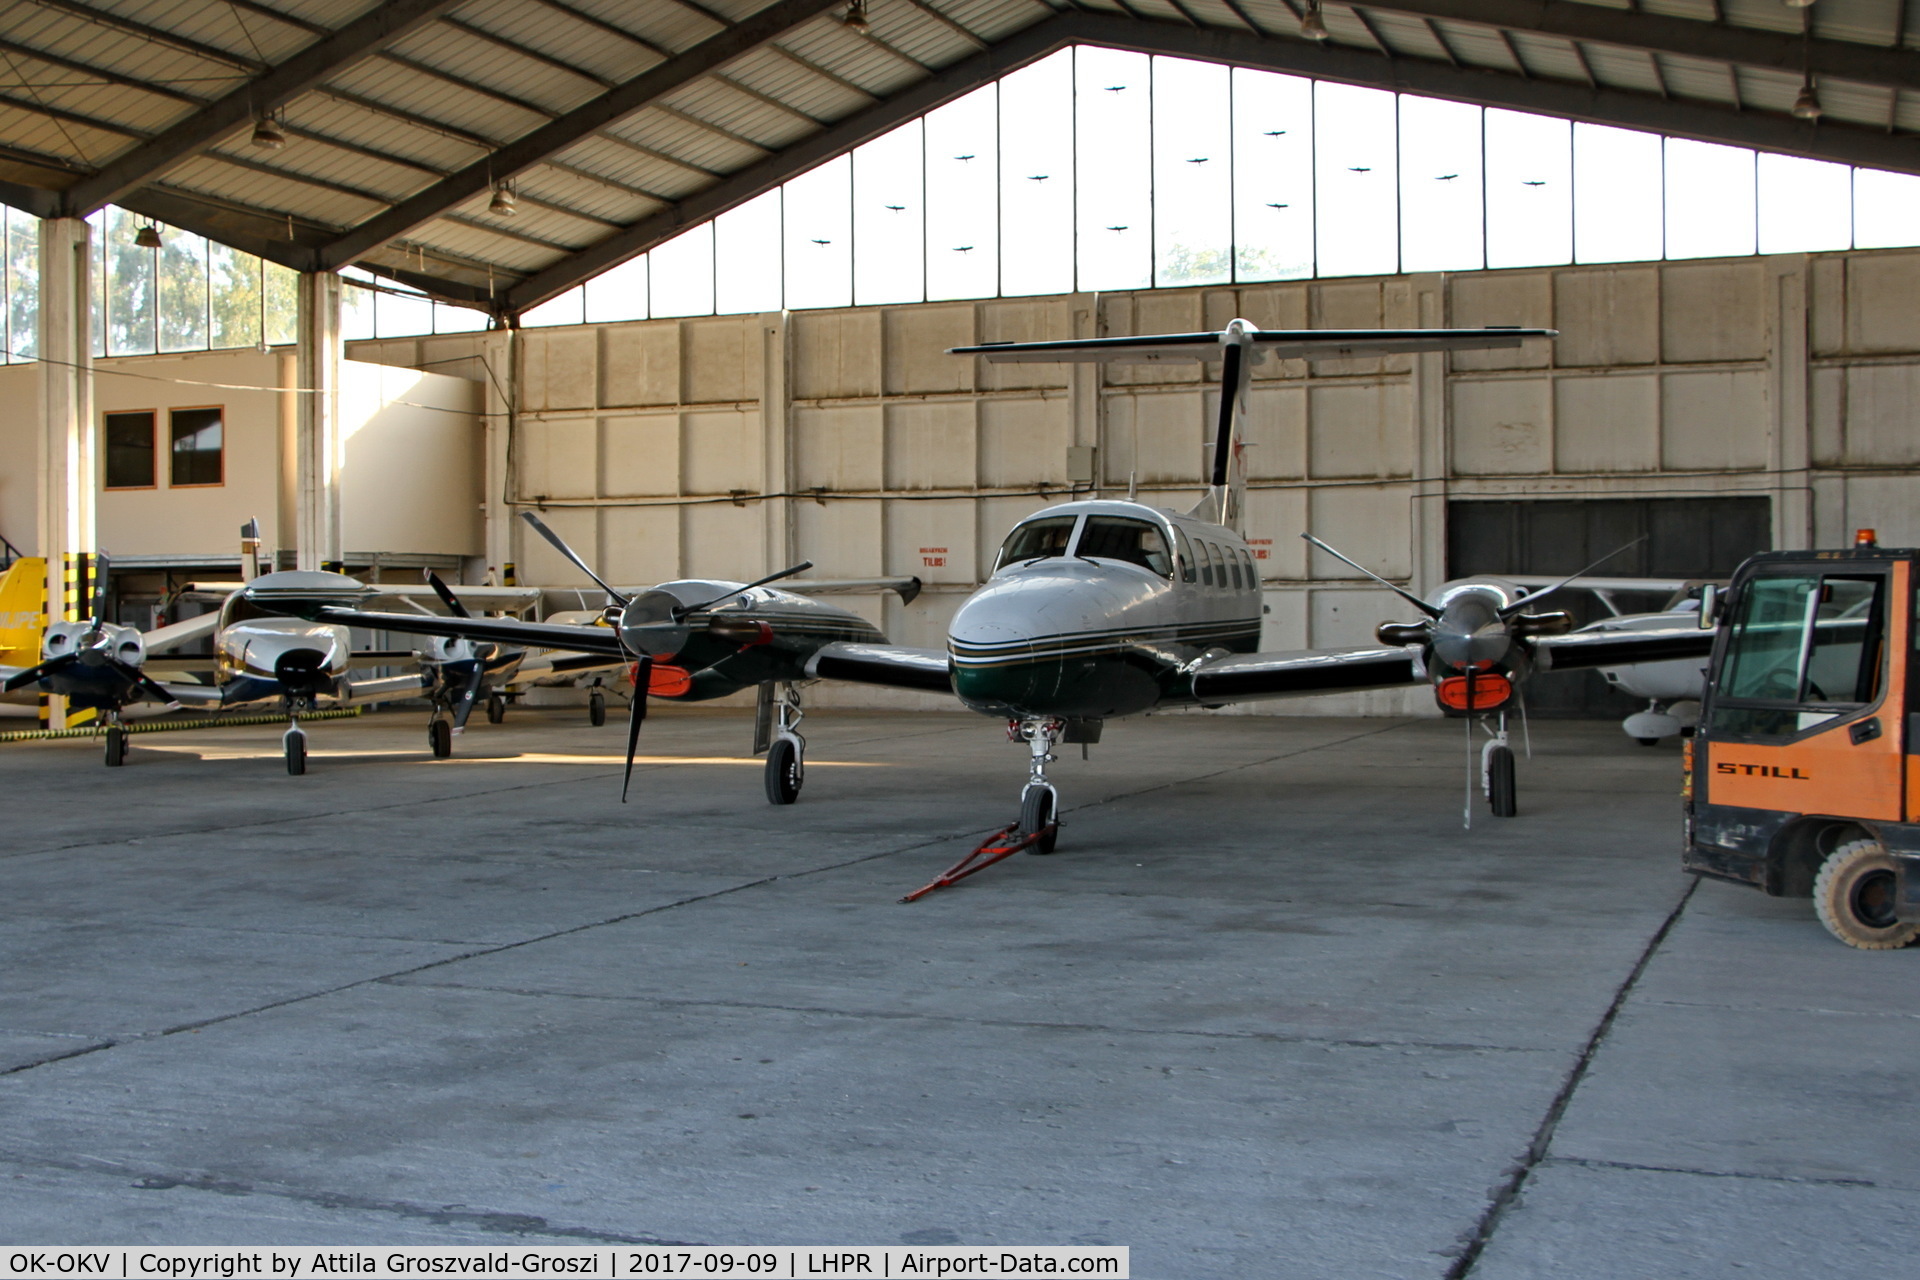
x=23, y=615
x=1803, y=778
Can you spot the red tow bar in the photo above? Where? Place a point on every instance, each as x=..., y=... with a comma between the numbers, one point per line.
x=991, y=850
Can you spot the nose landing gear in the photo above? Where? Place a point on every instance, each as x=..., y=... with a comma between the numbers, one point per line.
x=1039, y=802
x=1496, y=773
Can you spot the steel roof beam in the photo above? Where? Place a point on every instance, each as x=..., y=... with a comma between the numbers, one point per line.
x=157, y=35
x=305, y=70
x=1565, y=99
x=1656, y=33
x=525, y=152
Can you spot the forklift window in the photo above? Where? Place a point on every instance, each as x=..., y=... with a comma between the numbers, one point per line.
x=1803, y=648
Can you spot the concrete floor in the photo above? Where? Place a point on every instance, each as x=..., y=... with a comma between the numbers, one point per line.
x=1268, y=1012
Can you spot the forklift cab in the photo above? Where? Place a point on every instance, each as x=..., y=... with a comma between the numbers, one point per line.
x=1799, y=777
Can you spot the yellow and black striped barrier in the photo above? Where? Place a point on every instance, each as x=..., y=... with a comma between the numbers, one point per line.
x=163, y=726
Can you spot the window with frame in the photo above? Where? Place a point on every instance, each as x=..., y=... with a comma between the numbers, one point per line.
x=198, y=439
x=1189, y=572
x=1803, y=649
x=1037, y=540
x=1120, y=538
x=129, y=449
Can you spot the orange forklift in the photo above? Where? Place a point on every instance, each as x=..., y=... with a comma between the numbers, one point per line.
x=1799, y=777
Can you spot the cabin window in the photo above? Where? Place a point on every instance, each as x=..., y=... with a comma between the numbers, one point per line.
x=1802, y=648
x=1233, y=568
x=199, y=449
x=1188, y=571
x=1251, y=569
x=1209, y=565
x=129, y=441
x=1134, y=541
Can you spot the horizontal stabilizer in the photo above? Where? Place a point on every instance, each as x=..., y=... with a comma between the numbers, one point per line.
x=1286, y=344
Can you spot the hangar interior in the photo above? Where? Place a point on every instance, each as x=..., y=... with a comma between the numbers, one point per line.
x=682, y=276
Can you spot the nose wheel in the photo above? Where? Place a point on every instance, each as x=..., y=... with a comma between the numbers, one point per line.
x=1039, y=802
x=116, y=745
x=596, y=708
x=294, y=744
x=1496, y=774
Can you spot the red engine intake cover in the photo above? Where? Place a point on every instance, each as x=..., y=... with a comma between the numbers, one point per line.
x=1481, y=691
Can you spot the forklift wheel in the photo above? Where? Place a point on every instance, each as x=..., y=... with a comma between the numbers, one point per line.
x=1854, y=897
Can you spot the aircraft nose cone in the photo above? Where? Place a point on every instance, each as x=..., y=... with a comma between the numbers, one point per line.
x=301, y=670
x=1463, y=649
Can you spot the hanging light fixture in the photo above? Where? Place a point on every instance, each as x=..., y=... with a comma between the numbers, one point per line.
x=147, y=237
x=856, y=16
x=267, y=135
x=1807, y=105
x=1312, y=25
x=503, y=202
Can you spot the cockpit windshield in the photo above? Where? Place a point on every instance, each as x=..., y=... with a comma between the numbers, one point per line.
x=1134, y=541
x=1037, y=540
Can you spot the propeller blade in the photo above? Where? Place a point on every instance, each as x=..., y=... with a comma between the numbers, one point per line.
x=33, y=675
x=1402, y=592
x=469, y=695
x=684, y=610
x=636, y=716
x=154, y=690
x=446, y=595
x=1526, y=600
x=101, y=563
x=567, y=551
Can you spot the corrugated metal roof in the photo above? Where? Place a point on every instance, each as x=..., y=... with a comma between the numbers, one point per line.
x=88, y=85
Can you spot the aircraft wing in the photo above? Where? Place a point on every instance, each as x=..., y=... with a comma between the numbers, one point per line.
x=194, y=697
x=1241, y=677
x=1287, y=344
x=1651, y=586
x=386, y=689
x=886, y=664
x=1620, y=648
x=181, y=634
x=538, y=635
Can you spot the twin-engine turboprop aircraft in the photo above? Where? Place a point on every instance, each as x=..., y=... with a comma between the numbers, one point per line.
x=1095, y=609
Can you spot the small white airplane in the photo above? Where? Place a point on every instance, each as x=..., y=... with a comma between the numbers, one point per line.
x=1095, y=609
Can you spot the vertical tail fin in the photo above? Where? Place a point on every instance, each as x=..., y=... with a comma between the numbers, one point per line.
x=23, y=614
x=1226, y=489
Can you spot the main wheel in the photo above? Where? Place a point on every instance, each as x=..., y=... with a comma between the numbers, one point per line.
x=785, y=772
x=440, y=738
x=296, y=753
x=1854, y=896
x=1036, y=814
x=116, y=746
x=1648, y=742
x=496, y=708
x=1500, y=790
x=597, y=708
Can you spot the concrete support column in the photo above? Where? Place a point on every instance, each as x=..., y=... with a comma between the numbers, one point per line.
x=316, y=467
x=776, y=435
x=1790, y=443
x=499, y=354
x=68, y=434
x=1432, y=462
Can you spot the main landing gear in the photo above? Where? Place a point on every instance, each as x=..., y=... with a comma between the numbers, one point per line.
x=787, y=751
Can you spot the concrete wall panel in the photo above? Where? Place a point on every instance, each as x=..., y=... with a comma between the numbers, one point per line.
x=1023, y=320
x=1503, y=427
x=720, y=540
x=1276, y=432
x=1607, y=424
x=1350, y=304
x=721, y=359
x=1362, y=429
x=931, y=446
x=1879, y=427
x=1880, y=310
x=1343, y=616
x=1889, y=505
x=1275, y=520
x=840, y=448
x=720, y=451
x=934, y=540
x=640, y=364
x=1606, y=316
x=639, y=546
x=1371, y=525
x=1174, y=311
x=557, y=457
x=1714, y=311
x=1024, y=442
x=843, y=539
x=1522, y=298
x=559, y=370
x=639, y=454
x=539, y=563
x=916, y=341
x=836, y=354
x=1713, y=420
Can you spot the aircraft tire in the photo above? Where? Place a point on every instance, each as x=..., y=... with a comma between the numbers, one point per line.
x=597, y=708
x=1648, y=742
x=1500, y=789
x=440, y=738
x=1854, y=898
x=1036, y=814
x=496, y=708
x=297, y=754
x=784, y=772
x=116, y=746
